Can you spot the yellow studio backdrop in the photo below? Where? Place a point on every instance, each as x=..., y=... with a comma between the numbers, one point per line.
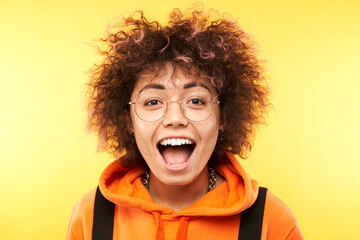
x=307, y=154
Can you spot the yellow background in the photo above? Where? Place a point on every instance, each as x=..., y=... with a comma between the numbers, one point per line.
x=307, y=155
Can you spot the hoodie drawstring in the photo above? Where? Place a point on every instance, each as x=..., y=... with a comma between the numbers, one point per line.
x=159, y=226
x=183, y=228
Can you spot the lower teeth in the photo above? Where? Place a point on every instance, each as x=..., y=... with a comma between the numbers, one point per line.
x=176, y=165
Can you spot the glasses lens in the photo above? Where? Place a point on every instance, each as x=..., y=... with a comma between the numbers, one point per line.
x=150, y=107
x=197, y=106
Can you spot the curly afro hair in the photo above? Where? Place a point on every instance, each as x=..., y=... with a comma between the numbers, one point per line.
x=207, y=40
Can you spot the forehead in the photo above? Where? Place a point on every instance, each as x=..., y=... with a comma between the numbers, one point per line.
x=172, y=78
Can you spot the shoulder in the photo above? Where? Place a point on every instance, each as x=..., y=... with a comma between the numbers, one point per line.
x=279, y=221
x=85, y=203
x=82, y=217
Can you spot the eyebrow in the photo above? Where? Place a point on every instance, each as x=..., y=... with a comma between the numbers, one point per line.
x=196, y=84
x=186, y=86
x=154, y=86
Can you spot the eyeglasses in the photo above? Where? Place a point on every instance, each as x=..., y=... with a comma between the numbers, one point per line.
x=196, y=106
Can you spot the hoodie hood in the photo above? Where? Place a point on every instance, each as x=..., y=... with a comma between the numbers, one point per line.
x=214, y=216
x=123, y=187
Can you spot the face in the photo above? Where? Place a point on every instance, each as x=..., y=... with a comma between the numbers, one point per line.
x=175, y=148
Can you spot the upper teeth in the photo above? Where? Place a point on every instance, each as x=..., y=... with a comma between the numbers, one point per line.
x=175, y=141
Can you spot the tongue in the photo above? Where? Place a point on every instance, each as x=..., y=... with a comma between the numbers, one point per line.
x=176, y=154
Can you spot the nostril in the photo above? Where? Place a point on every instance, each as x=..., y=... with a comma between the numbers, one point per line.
x=174, y=116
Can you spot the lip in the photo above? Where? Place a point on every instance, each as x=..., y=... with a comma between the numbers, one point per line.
x=174, y=168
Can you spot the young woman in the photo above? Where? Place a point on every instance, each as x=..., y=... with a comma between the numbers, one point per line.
x=175, y=103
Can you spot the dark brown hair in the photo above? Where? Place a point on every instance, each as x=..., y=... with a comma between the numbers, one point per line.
x=206, y=40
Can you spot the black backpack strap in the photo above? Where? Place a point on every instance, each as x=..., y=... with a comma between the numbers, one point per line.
x=103, y=221
x=250, y=224
x=252, y=218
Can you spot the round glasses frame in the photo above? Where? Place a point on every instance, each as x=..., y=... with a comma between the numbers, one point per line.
x=213, y=102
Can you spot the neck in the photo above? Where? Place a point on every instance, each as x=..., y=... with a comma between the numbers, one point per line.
x=178, y=197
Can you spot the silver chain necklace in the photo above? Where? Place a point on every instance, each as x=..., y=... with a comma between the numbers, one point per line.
x=212, y=179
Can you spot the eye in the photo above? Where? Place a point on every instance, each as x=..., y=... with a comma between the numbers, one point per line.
x=196, y=101
x=152, y=102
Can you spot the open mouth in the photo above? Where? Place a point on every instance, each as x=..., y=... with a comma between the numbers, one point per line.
x=176, y=151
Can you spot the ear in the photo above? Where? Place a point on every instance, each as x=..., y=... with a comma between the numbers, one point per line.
x=129, y=124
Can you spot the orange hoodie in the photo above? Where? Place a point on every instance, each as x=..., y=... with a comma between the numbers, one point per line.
x=215, y=216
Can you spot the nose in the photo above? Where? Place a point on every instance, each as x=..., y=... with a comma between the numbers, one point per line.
x=174, y=116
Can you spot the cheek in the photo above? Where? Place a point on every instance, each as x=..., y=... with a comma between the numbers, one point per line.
x=144, y=133
x=214, y=134
x=214, y=125
x=209, y=132
x=138, y=125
